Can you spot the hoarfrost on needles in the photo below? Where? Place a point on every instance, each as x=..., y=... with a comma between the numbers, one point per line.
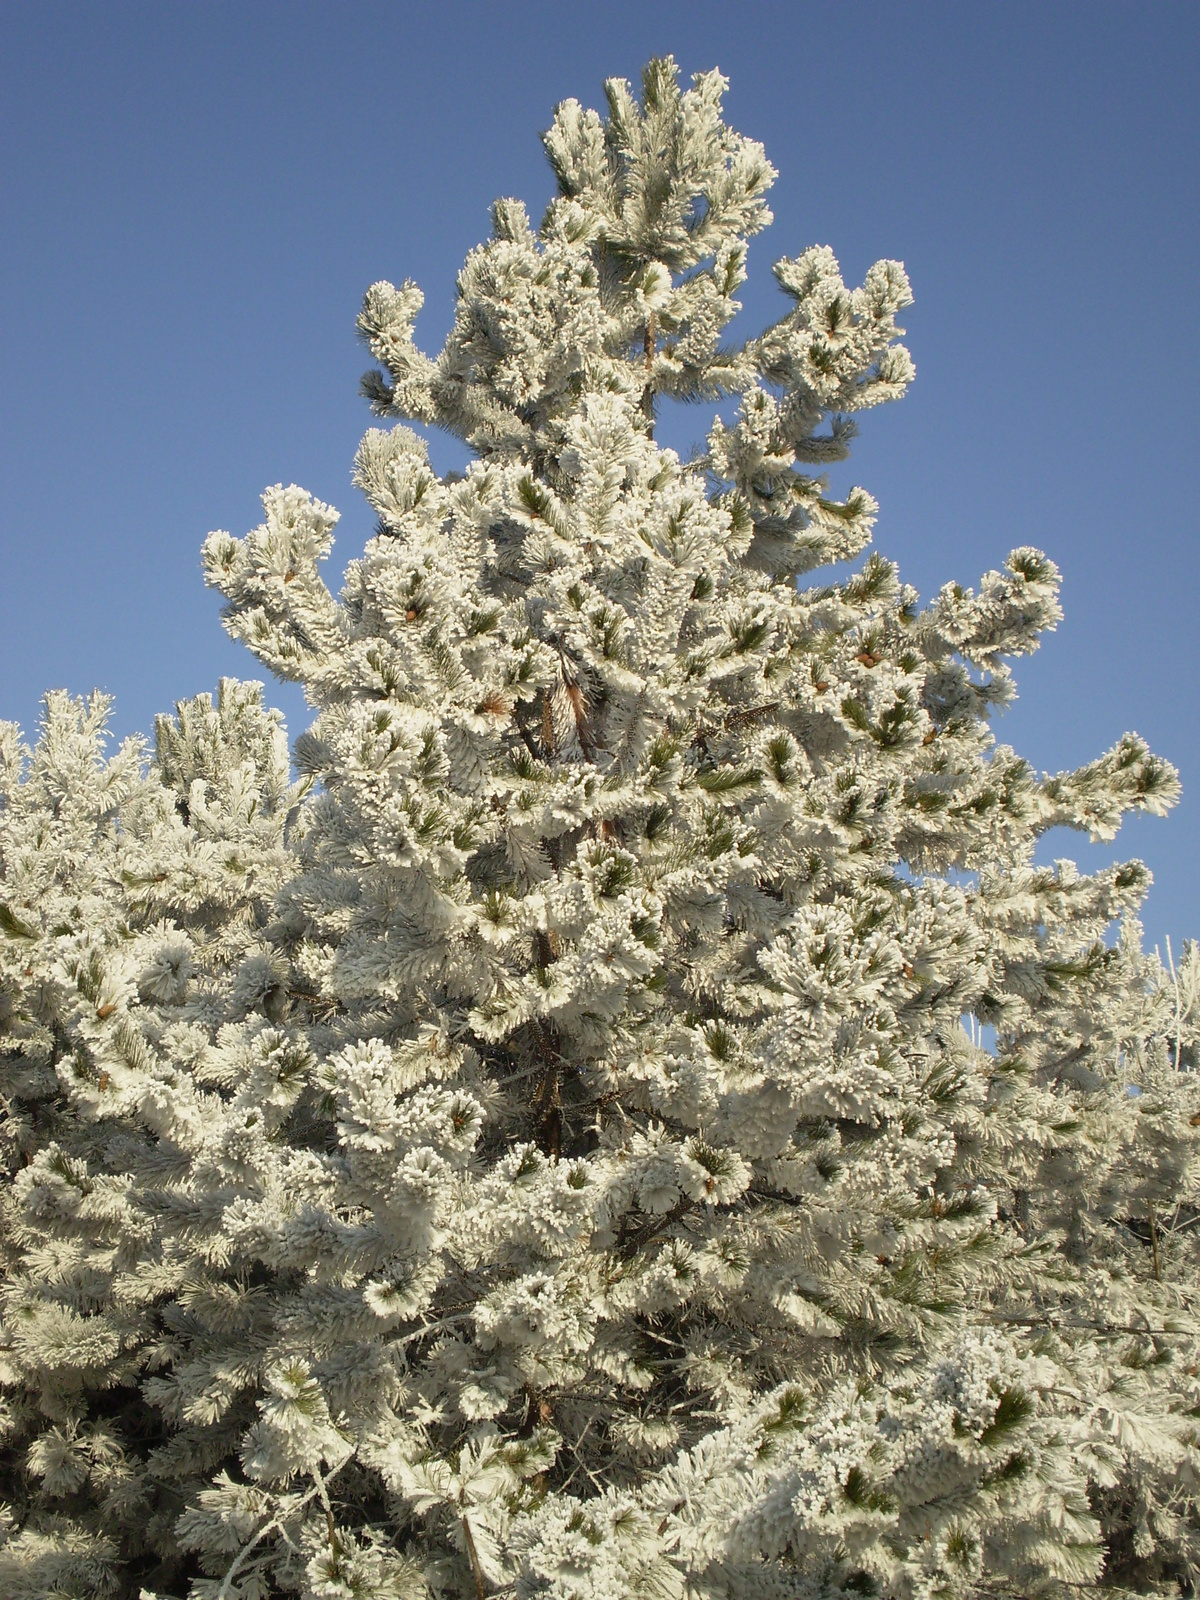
x=541, y=1143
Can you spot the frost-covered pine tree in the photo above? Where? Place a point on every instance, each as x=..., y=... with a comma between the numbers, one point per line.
x=549, y=1147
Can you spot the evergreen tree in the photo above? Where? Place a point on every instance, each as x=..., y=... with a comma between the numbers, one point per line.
x=550, y=1147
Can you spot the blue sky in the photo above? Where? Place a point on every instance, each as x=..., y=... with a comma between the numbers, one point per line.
x=193, y=198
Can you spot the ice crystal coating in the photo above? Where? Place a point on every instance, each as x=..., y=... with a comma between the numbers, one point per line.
x=629, y=1118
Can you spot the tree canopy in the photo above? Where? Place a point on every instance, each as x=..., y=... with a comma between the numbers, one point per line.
x=621, y=1111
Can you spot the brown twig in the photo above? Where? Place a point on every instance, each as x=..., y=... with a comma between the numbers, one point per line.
x=480, y=1590
x=547, y=1103
x=630, y=1245
x=518, y=714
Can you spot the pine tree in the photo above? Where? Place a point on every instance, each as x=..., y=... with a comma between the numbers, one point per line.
x=631, y=1118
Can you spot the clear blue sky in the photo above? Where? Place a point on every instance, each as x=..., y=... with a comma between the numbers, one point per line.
x=193, y=198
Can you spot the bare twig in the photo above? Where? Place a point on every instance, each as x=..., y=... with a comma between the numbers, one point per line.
x=433, y=1327
x=285, y=1514
x=480, y=1590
